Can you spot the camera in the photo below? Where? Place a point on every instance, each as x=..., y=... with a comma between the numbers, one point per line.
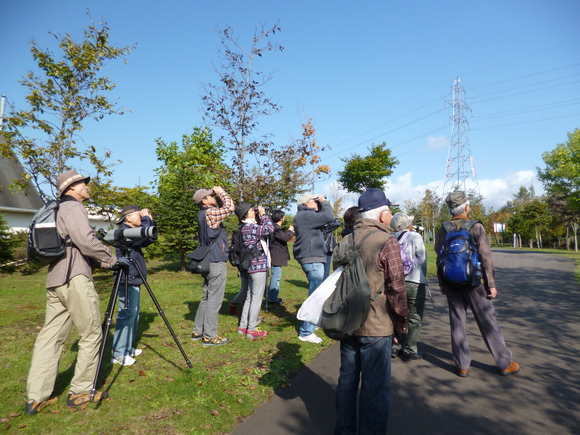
x=128, y=234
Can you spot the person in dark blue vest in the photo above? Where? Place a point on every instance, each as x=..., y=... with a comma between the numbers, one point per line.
x=216, y=205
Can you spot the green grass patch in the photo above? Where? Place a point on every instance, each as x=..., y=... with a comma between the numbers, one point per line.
x=159, y=394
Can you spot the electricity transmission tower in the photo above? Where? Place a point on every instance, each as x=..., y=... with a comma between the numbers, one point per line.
x=460, y=171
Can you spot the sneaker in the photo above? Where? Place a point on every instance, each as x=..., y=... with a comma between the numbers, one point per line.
x=81, y=400
x=33, y=407
x=462, y=373
x=312, y=338
x=196, y=337
x=135, y=352
x=276, y=302
x=216, y=341
x=242, y=331
x=513, y=368
x=252, y=335
x=123, y=360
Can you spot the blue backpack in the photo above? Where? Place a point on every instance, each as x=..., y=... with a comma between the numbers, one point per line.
x=458, y=262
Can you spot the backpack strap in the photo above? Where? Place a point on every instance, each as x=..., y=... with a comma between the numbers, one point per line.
x=448, y=226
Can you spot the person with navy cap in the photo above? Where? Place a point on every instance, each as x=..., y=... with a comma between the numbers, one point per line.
x=363, y=393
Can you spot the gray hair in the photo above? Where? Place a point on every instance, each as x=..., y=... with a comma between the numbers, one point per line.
x=459, y=209
x=374, y=213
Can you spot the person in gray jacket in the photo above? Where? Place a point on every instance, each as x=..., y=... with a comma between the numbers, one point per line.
x=314, y=212
x=415, y=284
x=71, y=300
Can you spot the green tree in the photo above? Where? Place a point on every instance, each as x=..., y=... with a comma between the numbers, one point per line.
x=198, y=163
x=361, y=173
x=71, y=89
x=531, y=222
x=561, y=177
x=428, y=214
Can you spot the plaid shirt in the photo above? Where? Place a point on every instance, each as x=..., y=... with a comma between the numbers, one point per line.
x=389, y=260
x=214, y=216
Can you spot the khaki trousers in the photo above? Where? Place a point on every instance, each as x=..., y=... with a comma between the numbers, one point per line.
x=75, y=303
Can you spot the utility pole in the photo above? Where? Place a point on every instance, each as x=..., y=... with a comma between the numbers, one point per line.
x=460, y=170
x=2, y=105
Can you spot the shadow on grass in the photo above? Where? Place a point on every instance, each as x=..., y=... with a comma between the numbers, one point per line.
x=284, y=364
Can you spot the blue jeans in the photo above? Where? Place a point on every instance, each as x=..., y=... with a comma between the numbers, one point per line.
x=127, y=320
x=315, y=275
x=274, y=288
x=368, y=358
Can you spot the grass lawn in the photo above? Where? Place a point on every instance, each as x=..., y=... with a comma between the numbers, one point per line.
x=159, y=394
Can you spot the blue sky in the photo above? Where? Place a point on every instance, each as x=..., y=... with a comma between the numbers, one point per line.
x=365, y=72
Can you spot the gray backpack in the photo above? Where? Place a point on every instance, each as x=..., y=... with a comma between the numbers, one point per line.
x=44, y=244
x=345, y=311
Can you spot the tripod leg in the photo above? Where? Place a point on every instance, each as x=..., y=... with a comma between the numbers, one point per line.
x=162, y=314
x=106, y=326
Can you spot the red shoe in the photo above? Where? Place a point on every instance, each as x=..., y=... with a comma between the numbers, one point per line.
x=252, y=335
x=513, y=368
x=242, y=331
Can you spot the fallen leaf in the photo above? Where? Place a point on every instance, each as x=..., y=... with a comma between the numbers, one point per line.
x=142, y=373
x=215, y=412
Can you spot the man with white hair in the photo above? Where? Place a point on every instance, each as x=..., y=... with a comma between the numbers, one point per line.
x=478, y=298
x=365, y=358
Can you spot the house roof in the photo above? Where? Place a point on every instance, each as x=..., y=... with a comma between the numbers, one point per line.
x=10, y=199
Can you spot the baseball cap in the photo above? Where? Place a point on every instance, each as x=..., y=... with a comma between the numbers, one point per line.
x=305, y=197
x=373, y=198
x=200, y=194
x=128, y=209
x=456, y=199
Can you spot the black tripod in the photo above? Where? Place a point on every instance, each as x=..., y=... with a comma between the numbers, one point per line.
x=123, y=276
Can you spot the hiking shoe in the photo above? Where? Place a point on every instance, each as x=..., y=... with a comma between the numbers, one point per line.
x=33, y=407
x=135, y=352
x=252, y=335
x=216, y=341
x=412, y=356
x=123, y=360
x=242, y=331
x=312, y=338
x=81, y=400
x=462, y=373
x=276, y=302
x=513, y=368
x=196, y=337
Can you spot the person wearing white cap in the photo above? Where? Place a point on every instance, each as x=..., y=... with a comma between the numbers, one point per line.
x=415, y=283
x=314, y=212
x=71, y=300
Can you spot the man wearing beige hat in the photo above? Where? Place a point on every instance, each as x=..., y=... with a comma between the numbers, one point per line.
x=72, y=300
x=478, y=298
x=211, y=231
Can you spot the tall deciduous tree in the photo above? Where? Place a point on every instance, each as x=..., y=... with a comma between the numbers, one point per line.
x=236, y=104
x=198, y=163
x=362, y=173
x=70, y=89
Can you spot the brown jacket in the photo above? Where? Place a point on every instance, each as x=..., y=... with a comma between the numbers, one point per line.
x=73, y=221
x=379, y=322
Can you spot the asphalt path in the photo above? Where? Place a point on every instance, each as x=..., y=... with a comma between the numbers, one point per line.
x=538, y=307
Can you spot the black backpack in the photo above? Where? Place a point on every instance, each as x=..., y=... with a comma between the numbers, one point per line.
x=240, y=255
x=344, y=312
x=458, y=262
x=44, y=245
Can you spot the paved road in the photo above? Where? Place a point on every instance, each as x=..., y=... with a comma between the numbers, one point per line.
x=538, y=308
